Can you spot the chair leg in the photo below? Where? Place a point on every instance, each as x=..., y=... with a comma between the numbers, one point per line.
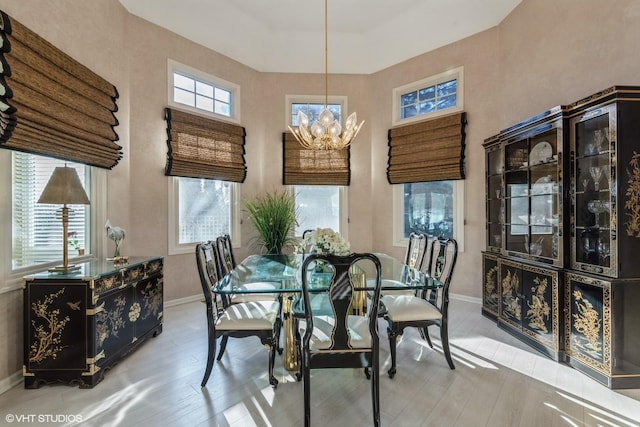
x=375, y=388
x=424, y=333
x=392, y=348
x=444, y=337
x=272, y=357
x=279, y=324
x=210, y=357
x=277, y=334
x=223, y=346
x=307, y=398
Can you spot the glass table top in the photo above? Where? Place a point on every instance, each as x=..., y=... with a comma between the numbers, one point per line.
x=281, y=273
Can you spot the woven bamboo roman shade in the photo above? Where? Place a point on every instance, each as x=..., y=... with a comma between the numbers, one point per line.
x=51, y=104
x=427, y=151
x=198, y=147
x=301, y=166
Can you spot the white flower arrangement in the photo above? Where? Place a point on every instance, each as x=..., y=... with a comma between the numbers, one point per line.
x=326, y=241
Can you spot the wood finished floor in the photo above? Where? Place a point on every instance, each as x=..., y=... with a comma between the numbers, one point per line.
x=498, y=381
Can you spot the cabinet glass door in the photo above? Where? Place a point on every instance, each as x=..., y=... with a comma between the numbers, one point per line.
x=593, y=207
x=494, y=199
x=532, y=204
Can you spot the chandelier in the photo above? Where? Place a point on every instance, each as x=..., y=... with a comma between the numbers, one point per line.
x=326, y=132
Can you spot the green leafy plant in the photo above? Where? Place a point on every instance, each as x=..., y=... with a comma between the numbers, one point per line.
x=274, y=215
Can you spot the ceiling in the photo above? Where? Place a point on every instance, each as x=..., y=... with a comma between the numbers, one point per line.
x=365, y=36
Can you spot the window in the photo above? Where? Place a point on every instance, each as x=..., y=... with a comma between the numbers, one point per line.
x=312, y=106
x=430, y=97
x=37, y=228
x=194, y=90
x=435, y=208
x=313, y=110
x=319, y=206
x=201, y=209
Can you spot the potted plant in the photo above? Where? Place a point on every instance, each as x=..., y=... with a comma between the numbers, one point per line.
x=73, y=241
x=274, y=215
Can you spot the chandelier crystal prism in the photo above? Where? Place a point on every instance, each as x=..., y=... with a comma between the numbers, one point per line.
x=326, y=132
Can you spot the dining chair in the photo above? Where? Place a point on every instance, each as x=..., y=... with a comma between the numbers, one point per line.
x=417, y=246
x=257, y=318
x=329, y=335
x=416, y=250
x=427, y=309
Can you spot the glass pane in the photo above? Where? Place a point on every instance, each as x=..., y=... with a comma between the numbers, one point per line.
x=318, y=207
x=204, y=89
x=428, y=208
x=335, y=109
x=223, y=95
x=222, y=108
x=408, y=98
x=447, y=88
x=183, y=82
x=427, y=93
x=427, y=107
x=407, y=112
x=314, y=112
x=295, y=108
x=37, y=228
x=448, y=101
x=184, y=97
x=204, y=209
x=204, y=103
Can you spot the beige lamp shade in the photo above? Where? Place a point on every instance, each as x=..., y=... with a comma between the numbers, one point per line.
x=64, y=188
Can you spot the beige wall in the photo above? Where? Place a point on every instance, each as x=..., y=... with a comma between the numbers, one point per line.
x=545, y=53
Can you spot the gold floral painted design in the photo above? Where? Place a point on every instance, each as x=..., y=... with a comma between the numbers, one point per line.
x=48, y=328
x=510, y=301
x=587, y=323
x=108, y=323
x=152, y=299
x=491, y=286
x=539, y=309
x=632, y=204
x=134, y=312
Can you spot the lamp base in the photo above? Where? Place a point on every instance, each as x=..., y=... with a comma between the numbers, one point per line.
x=63, y=269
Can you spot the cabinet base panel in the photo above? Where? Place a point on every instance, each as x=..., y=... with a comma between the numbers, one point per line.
x=489, y=314
x=558, y=356
x=613, y=382
x=33, y=380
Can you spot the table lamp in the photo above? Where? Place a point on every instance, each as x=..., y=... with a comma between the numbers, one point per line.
x=64, y=188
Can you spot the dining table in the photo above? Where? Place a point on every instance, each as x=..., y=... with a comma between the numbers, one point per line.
x=281, y=274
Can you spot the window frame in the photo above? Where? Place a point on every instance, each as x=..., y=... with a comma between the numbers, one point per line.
x=456, y=73
x=459, y=188
x=176, y=248
x=97, y=193
x=201, y=76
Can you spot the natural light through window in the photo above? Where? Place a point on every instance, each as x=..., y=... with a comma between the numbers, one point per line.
x=194, y=90
x=429, y=97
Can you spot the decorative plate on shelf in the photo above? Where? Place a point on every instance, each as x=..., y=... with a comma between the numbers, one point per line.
x=543, y=185
x=540, y=153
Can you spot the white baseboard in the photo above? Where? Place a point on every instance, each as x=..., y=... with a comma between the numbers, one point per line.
x=466, y=298
x=10, y=381
x=184, y=300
